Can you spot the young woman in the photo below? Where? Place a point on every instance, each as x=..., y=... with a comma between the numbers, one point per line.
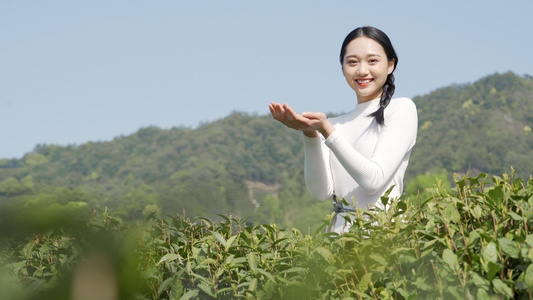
x=360, y=155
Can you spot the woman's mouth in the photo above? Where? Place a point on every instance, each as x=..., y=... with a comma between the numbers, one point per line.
x=364, y=82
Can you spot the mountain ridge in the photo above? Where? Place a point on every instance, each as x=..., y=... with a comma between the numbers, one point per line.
x=219, y=167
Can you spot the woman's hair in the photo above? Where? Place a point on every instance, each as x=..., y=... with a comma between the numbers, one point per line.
x=389, y=87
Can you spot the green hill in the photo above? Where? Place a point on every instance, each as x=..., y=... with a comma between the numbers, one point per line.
x=252, y=167
x=479, y=127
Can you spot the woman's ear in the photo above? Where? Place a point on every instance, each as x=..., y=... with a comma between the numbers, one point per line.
x=391, y=66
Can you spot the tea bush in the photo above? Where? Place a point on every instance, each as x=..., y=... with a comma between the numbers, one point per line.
x=470, y=242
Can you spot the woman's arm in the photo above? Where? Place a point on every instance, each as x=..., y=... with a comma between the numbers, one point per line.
x=317, y=171
x=396, y=139
x=318, y=177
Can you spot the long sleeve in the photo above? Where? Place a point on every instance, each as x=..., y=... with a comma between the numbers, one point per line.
x=317, y=173
x=394, y=143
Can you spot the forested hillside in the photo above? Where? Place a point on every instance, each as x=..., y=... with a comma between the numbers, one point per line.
x=252, y=167
x=479, y=127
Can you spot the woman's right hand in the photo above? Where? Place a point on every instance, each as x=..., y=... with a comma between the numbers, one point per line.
x=288, y=117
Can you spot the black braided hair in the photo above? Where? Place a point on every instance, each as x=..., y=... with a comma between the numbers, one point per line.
x=386, y=96
x=389, y=87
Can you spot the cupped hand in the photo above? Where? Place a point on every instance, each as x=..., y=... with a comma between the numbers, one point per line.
x=308, y=123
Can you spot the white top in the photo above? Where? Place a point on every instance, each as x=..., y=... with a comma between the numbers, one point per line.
x=361, y=159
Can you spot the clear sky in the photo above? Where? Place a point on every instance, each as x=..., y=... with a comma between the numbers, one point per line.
x=79, y=71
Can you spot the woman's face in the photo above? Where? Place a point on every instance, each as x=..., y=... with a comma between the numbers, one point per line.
x=366, y=67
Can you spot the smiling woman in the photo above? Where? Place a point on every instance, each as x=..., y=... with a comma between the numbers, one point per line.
x=361, y=155
x=366, y=68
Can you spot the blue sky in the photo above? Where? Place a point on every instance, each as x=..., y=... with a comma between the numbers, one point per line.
x=74, y=72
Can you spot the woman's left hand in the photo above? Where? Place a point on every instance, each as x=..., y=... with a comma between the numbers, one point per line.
x=309, y=123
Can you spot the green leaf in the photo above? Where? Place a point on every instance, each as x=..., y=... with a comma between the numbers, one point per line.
x=164, y=285
x=473, y=237
x=492, y=270
x=496, y=195
x=509, y=247
x=402, y=249
x=528, y=278
x=294, y=269
x=207, y=289
x=490, y=254
x=450, y=259
x=326, y=254
x=451, y=213
x=267, y=274
x=430, y=243
x=239, y=260
x=379, y=259
x=251, y=261
x=529, y=240
x=190, y=294
x=176, y=289
x=229, y=242
x=478, y=211
x=253, y=284
x=219, y=237
x=168, y=257
x=502, y=288
x=515, y=216
x=364, y=282
x=482, y=295
x=480, y=281
x=209, y=261
x=422, y=285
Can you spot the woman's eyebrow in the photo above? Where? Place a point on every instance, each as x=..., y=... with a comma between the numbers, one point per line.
x=356, y=56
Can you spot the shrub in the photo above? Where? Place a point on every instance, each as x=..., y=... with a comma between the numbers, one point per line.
x=470, y=242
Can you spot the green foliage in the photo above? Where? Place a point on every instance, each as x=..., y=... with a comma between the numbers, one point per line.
x=419, y=186
x=472, y=241
x=479, y=127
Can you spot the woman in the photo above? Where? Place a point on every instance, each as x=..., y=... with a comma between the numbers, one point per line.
x=360, y=155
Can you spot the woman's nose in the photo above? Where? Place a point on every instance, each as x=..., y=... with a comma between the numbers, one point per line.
x=362, y=70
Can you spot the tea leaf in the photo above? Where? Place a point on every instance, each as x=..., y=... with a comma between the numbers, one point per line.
x=480, y=281
x=253, y=284
x=528, y=277
x=164, y=285
x=490, y=253
x=529, y=240
x=379, y=259
x=496, y=195
x=219, y=237
x=267, y=274
x=176, y=288
x=502, y=288
x=251, y=261
x=229, y=242
x=483, y=295
x=295, y=269
x=509, y=247
x=492, y=270
x=189, y=295
x=207, y=289
x=450, y=258
x=326, y=254
x=364, y=282
x=168, y=257
x=515, y=216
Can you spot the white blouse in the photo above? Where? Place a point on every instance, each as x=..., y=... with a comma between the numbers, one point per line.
x=361, y=159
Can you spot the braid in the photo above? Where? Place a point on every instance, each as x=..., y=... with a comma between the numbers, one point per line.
x=386, y=96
